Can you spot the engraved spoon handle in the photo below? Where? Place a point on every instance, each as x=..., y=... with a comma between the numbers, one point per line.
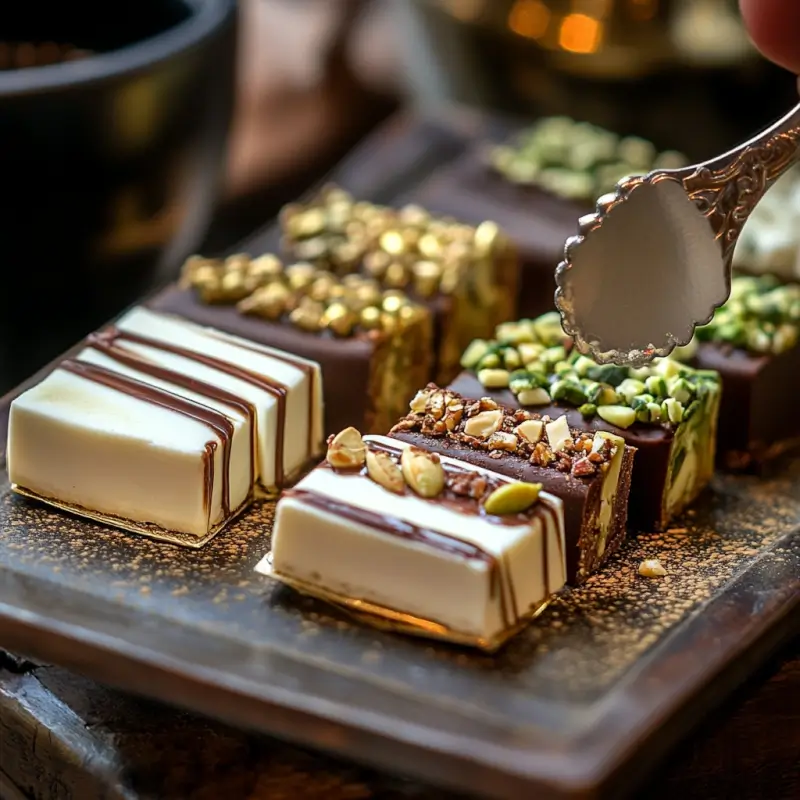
x=727, y=188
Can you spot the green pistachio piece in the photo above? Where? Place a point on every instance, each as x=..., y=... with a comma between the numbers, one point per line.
x=521, y=380
x=552, y=355
x=681, y=389
x=511, y=358
x=475, y=351
x=563, y=368
x=629, y=388
x=621, y=416
x=534, y=397
x=548, y=329
x=582, y=365
x=494, y=378
x=515, y=332
x=672, y=410
x=603, y=395
x=685, y=353
x=569, y=392
x=512, y=498
x=656, y=386
x=654, y=410
x=667, y=368
x=641, y=400
x=608, y=373
x=490, y=361
x=529, y=351
x=640, y=373
x=588, y=410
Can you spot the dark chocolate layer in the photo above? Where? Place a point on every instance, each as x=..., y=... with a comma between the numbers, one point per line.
x=345, y=363
x=758, y=417
x=652, y=442
x=537, y=222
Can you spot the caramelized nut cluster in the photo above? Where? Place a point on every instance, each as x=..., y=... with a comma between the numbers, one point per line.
x=400, y=248
x=484, y=425
x=302, y=294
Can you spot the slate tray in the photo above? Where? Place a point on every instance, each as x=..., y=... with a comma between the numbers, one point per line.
x=582, y=704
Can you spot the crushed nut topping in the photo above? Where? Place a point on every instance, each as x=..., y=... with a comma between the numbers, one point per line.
x=306, y=296
x=651, y=568
x=483, y=425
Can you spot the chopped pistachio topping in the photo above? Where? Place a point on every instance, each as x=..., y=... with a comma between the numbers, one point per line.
x=303, y=295
x=761, y=315
x=535, y=361
x=403, y=248
x=576, y=160
x=484, y=425
x=512, y=498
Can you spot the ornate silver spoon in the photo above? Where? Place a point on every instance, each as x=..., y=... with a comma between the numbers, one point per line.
x=654, y=261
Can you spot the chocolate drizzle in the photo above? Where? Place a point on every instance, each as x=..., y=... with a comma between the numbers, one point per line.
x=106, y=345
x=298, y=363
x=500, y=577
x=210, y=417
x=274, y=388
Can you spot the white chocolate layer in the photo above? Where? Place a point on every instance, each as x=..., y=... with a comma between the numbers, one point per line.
x=357, y=560
x=302, y=408
x=73, y=440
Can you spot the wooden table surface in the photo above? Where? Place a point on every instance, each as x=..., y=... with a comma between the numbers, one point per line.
x=62, y=736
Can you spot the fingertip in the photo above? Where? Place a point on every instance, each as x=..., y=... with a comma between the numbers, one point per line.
x=774, y=27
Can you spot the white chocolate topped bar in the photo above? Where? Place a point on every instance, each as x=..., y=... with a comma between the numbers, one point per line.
x=285, y=390
x=439, y=558
x=157, y=424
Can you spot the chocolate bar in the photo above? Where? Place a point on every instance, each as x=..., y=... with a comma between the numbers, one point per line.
x=752, y=343
x=536, y=187
x=590, y=473
x=374, y=345
x=164, y=428
x=467, y=276
x=423, y=544
x=667, y=411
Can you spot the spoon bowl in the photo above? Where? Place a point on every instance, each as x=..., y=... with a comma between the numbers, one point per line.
x=654, y=261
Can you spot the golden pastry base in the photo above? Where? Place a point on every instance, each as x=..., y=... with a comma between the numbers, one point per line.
x=143, y=529
x=393, y=621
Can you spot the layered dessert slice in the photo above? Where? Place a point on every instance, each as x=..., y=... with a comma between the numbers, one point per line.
x=753, y=342
x=373, y=345
x=589, y=472
x=668, y=411
x=536, y=185
x=164, y=428
x=424, y=544
x=466, y=275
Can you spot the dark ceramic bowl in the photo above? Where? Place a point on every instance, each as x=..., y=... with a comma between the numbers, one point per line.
x=109, y=160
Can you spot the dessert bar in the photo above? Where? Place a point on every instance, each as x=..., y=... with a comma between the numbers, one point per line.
x=753, y=344
x=536, y=186
x=165, y=428
x=466, y=275
x=373, y=345
x=589, y=473
x=423, y=544
x=668, y=411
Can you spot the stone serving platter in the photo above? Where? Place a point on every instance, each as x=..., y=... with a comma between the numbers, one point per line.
x=583, y=703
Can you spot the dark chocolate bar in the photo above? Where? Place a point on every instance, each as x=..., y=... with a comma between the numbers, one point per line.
x=374, y=346
x=752, y=342
x=590, y=473
x=668, y=411
x=467, y=276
